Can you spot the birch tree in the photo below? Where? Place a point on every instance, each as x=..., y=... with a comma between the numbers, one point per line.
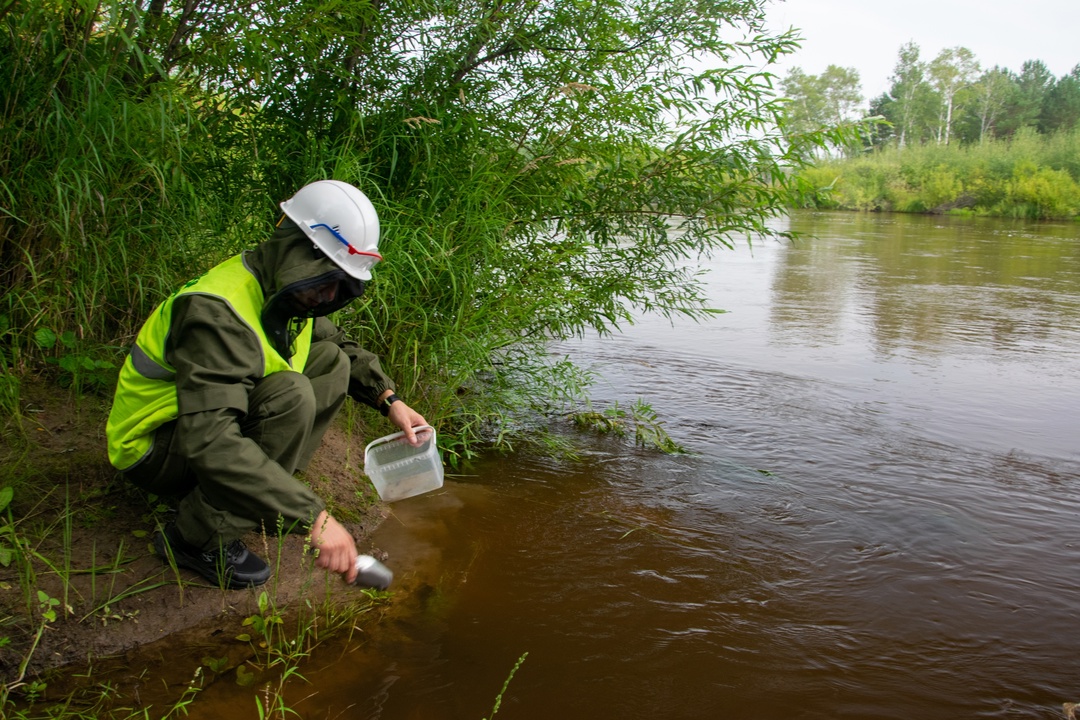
x=951, y=71
x=816, y=102
x=910, y=95
x=992, y=93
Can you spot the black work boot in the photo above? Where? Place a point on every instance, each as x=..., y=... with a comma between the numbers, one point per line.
x=232, y=566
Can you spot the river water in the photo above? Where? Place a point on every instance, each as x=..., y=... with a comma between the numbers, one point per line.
x=875, y=518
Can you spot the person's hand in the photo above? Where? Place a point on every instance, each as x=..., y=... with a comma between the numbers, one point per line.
x=406, y=418
x=334, y=546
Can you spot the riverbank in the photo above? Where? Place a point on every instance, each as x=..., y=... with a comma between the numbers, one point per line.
x=78, y=577
x=1027, y=177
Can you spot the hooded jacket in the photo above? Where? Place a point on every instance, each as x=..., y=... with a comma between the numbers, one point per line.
x=217, y=345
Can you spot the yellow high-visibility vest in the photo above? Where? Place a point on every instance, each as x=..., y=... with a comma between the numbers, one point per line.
x=146, y=392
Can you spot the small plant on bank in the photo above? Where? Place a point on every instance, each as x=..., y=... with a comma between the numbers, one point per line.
x=47, y=614
x=263, y=623
x=9, y=380
x=8, y=539
x=79, y=369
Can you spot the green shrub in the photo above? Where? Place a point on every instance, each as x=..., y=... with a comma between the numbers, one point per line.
x=1031, y=175
x=525, y=180
x=1039, y=193
x=817, y=187
x=940, y=186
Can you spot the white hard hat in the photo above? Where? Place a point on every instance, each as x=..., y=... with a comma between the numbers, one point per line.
x=341, y=221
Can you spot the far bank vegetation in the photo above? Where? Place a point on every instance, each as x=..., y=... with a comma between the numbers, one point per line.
x=948, y=137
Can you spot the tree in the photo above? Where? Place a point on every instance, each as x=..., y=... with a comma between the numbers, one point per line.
x=882, y=133
x=912, y=97
x=842, y=94
x=1061, y=105
x=991, y=94
x=527, y=157
x=1025, y=105
x=814, y=102
x=951, y=71
x=806, y=102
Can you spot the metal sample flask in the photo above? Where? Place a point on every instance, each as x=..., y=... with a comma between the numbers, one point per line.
x=370, y=573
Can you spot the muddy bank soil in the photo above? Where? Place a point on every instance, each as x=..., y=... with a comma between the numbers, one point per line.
x=74, y=518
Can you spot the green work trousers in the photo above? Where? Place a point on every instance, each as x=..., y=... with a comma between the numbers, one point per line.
x=287, y=415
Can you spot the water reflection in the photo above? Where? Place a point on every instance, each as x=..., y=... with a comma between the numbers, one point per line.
x=923, y=286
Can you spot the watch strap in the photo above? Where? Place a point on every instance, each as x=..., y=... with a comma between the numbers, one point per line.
x=384, y=406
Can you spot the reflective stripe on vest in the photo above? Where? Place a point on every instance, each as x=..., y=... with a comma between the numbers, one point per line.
x=146, y=391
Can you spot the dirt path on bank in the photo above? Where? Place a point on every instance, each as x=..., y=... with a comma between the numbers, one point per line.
x=76, y=520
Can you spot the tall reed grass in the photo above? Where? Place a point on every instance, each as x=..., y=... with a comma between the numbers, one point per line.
x=99, y=216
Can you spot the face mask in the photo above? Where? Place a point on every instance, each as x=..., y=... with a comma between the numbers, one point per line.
x=308, y=301
x=321, y=296
x=316, y=297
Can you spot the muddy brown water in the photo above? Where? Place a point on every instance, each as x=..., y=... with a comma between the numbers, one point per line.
x=878, y=518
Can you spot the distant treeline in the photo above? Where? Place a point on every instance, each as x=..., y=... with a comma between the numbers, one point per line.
x=948, y=99
x=948, y=136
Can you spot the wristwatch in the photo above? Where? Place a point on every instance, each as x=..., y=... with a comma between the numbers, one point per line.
x=384, y=406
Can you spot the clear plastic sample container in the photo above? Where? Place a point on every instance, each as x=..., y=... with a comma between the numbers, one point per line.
x=398, y=470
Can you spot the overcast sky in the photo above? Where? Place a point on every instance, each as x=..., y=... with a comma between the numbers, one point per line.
x=867, y=34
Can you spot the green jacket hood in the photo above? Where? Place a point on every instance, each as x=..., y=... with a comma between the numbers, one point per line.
x=286, y=264
x=287, y=259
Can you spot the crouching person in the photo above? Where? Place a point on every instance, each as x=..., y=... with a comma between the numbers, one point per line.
x=235, y=377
